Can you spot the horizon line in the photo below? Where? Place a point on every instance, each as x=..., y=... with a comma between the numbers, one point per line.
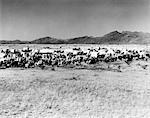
x=74, y=36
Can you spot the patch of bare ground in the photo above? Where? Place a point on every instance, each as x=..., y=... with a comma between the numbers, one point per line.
x=94, y=92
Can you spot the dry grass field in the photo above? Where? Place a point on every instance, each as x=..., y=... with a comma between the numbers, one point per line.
x=75, y=93
x=93, y=92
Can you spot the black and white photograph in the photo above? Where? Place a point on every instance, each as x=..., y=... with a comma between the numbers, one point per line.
x=74, y=58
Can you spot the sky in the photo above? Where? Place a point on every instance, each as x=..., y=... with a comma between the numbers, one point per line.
x=33, y=19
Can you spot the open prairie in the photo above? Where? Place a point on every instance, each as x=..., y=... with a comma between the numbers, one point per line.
x=65, y=46
x=92, y=92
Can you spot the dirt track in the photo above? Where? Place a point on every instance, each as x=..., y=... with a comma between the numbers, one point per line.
x=69, y=93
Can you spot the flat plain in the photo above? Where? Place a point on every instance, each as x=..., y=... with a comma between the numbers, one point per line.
x=76, y=92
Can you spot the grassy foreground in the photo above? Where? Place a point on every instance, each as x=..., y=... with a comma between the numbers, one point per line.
x=75, y=93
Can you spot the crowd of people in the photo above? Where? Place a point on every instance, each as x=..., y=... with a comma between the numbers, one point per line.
x=30, y=58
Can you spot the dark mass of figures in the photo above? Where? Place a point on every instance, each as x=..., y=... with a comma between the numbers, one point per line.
x=30, y=58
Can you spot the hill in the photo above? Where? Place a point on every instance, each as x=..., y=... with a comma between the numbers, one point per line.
x=115, y=37
x=13, y=42
x=83, y=40
x=48, y=40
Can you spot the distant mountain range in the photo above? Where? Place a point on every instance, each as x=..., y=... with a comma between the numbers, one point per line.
x=115, y=37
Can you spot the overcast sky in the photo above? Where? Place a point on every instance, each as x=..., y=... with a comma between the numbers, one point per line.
x=32, y=19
